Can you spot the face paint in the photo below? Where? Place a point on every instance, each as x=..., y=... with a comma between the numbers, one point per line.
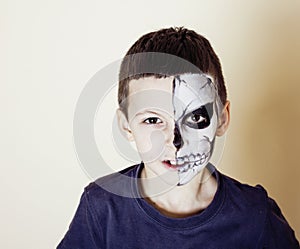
x=195, y=114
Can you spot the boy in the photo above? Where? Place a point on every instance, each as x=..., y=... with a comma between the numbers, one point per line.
x=173, y=103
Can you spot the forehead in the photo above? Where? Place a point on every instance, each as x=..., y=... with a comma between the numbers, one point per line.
x=150, y=83
x=150, y=93
x=167, y=93
x=193, y=86
x=192, y=91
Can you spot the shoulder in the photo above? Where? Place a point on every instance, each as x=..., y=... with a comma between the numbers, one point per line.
x=245, y=206
x=278, y=233
x=263, y=212
x=255, y=196
x=112, y=186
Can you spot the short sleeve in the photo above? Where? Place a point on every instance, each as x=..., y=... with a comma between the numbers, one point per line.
x=84, y=231
x=278, y=233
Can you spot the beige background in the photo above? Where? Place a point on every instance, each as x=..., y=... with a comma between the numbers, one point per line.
x=50, y=49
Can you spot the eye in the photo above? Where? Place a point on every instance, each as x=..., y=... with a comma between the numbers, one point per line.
x=197, y=121
x=199, y=118
x=152, y=120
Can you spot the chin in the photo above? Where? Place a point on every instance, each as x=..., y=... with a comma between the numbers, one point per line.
x=189, y=174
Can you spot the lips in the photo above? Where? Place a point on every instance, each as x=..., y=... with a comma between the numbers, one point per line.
x=185, y=163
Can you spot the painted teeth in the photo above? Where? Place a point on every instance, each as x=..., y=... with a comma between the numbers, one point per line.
x=191, y=158
x=191, y=161
x=180, y=161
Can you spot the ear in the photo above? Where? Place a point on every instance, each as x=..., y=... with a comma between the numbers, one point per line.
x=224, y=120
x=124, y=125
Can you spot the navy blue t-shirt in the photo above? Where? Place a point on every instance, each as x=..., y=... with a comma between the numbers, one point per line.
x=239, y=217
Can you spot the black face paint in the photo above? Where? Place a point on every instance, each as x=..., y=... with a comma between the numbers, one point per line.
x=178, y=142
x=199, y=118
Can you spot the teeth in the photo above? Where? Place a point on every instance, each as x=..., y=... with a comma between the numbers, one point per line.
x=180, y=161
x=181, y=169
x=188, y=162
x=191, y=158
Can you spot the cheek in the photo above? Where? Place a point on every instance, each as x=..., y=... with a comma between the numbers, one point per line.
x=150, y=143
x=198, y=140
x=210, y=131
x=190, y=135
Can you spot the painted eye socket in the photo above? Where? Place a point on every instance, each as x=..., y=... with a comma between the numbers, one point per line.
x=197, y=121
x=199, y=118
x=152, y=120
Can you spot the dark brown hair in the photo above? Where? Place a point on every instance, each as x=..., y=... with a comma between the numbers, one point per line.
x=178, y=43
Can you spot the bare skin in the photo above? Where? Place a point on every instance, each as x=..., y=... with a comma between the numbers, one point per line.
x=186, y=200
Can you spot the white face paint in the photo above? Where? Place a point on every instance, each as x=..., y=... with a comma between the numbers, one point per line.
x=196, y=121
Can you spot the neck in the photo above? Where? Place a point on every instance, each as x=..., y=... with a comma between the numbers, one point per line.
x=179, y=201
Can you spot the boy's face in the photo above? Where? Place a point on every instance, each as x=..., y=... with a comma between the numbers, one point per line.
x=173, y=122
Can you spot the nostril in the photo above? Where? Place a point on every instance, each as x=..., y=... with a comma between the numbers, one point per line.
x=178, y=142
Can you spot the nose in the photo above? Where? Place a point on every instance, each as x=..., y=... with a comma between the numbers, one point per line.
x=178, y=142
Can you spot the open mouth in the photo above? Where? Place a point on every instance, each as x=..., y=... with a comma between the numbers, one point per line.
x=183, y=164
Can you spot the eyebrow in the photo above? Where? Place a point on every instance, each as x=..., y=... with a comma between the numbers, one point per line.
x=146, y=112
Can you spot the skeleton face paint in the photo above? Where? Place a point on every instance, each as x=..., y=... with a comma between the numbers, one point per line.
x=195, y=114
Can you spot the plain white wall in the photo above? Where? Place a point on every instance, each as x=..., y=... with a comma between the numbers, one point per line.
x=50, y=49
